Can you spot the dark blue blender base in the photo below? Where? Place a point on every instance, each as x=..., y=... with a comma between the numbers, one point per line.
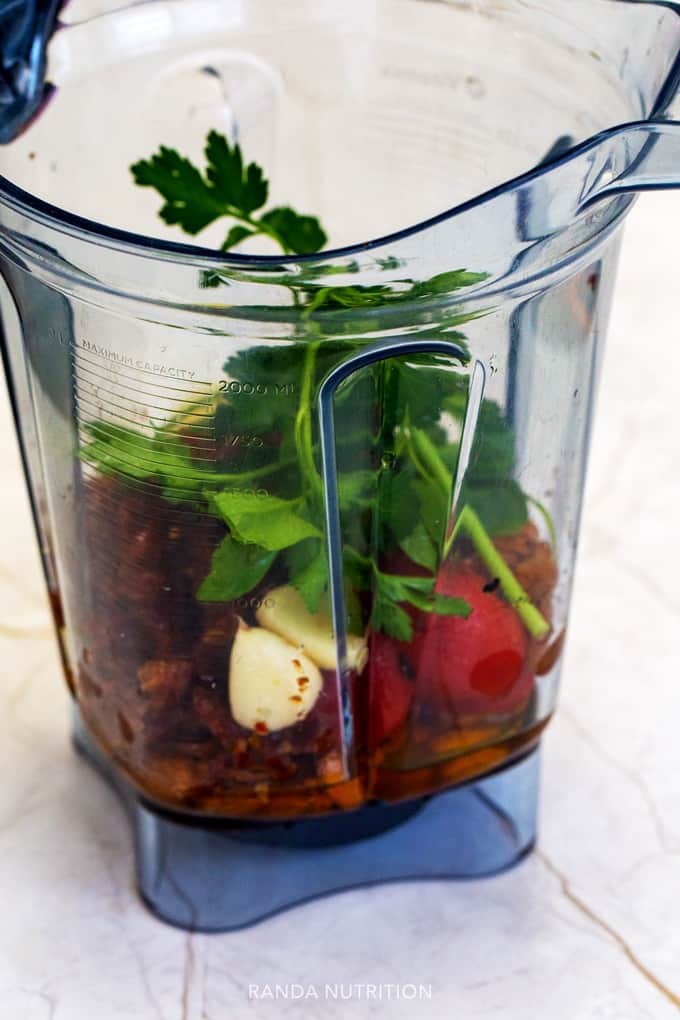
x=217, y=876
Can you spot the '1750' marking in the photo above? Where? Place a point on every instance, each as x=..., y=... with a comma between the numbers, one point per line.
x=254, y=441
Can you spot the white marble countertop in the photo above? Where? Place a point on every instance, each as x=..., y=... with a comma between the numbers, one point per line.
x=587, y=928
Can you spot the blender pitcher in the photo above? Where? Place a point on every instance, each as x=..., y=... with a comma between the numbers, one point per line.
x=308, y=521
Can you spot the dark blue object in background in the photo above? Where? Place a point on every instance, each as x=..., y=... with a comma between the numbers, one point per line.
x=25, y=29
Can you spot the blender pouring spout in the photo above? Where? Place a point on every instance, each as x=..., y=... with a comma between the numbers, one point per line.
x=552, y=199
x=633, y=158
x=636, y=157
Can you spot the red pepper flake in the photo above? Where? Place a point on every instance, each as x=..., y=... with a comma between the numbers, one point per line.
x=261, y=727
x=302, y=682
x=296, y=697
x=297, y=663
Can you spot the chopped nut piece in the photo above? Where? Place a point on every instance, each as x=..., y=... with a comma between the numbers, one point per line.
x=163, y=680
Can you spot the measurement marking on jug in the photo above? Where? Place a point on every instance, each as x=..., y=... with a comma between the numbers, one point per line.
x=111, y=371
x=123, y=403
x=101, y=412
x=154, y=469
x=109, y=354
x=132, y=481
x=140, y=415
x=252, y=602
x=202, y=455
x=201, y=445
x=174, y=515
x=100, y=380
x=256, y=389
x=109, y=394
x=248, y=441
x=152, y=488
x=112, y=390
x=84, y=348
x=260, y=493
x=196, y=438
x=128, y=453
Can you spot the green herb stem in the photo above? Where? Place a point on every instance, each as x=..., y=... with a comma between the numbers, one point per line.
x=533, y=620
x=427, y=454
x=260, y=227
x=354, y=554
x=244, y=476
x=303, y=422
x=469, y=522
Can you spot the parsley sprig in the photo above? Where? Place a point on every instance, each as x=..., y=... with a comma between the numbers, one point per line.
x=396, y=461
x=227, y=188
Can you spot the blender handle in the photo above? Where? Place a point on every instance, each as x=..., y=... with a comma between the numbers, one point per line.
x=26, y=27
x=369, y=355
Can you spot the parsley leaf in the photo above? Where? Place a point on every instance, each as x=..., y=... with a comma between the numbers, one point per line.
x=388, y=616
x=228, y=187
x=240, y=188
x=300, y=234
x=356, y=488
x=420, y=548
x=189, y=202
x=268, y=521
x=394, y=591
x=234, y=237
x=434, y=509
x=500, y=505
x=308, y=571
x=489, y=487
x=444, y=605
x=399, y=512
x=444, y=283
x=235, y=570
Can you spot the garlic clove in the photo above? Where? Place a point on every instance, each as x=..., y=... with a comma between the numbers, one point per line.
x=272, y=685
x=284, y=612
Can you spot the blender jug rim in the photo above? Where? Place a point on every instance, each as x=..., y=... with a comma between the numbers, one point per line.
x=89, y=230
x=63, y=221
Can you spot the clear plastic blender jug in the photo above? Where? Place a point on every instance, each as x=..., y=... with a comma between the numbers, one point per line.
x=309, y=523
